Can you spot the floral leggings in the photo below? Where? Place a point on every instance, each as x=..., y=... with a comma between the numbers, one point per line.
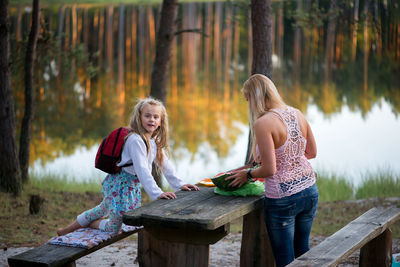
x=121, y=193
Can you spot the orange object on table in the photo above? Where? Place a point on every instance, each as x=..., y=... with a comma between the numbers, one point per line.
x=206, y=182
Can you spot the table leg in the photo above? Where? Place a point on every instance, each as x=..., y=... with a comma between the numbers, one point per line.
x=256, y=249
x=154, y=252
x=378, y=251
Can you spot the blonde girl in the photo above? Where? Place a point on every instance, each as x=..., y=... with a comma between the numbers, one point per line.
x=282, y=142
x=146, y=144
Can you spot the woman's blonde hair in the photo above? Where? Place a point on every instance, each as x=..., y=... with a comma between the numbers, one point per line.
x=160, y=135
x=262, y=95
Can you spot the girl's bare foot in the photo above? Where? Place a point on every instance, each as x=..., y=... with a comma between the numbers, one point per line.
x=70, y=228
x=60, y=231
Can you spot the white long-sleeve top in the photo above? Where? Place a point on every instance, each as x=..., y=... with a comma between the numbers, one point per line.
x=135, y=152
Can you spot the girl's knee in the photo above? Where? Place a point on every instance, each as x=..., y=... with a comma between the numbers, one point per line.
x=115, y=229
x=110, y=226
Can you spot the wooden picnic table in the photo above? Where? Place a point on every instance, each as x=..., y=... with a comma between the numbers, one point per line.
x=178, y=232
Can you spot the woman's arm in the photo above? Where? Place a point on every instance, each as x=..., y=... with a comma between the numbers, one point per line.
x=266, y=146
x=311, y=146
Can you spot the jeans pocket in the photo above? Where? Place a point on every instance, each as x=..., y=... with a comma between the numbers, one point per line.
x=312, y=205
x=315, y=203
x=279, y=214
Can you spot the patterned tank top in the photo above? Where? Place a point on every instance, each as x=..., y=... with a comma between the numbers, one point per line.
x=294, y=172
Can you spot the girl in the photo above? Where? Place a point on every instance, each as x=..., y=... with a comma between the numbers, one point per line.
x=121, y=191
x=283, y=142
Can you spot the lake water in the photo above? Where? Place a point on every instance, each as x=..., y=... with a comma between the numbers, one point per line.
x=95, y=60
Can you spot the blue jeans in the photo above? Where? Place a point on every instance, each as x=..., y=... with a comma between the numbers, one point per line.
x=288, y=221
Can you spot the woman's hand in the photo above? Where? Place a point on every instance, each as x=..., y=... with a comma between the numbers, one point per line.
x=238, y=179
x=189, y=187
x=167, y=195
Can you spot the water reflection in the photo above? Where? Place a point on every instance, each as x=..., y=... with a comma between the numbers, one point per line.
x=332, y=59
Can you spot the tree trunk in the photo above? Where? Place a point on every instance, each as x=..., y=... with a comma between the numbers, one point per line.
x=10, y=175
x=165, y=37
x=262, y=45
x=164, y=41
x=262, y=37
x=330, y=40
x=26, y=126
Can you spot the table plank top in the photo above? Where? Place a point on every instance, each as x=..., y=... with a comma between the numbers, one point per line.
x=201, y=209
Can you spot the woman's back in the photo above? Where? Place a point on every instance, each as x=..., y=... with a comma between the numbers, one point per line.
x=293, y=171
x=283, y=142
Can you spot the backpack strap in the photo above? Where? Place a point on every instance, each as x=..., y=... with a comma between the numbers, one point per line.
x=130, y=164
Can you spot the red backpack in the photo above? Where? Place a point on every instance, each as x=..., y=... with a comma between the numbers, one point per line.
x=110, y=150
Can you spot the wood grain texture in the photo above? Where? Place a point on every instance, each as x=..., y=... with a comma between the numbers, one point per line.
x=178, y=232
x=255, y=249
x=155, y=252
x=193, y=210
x=378, y=252
x=350, y=238
x=54, y=255
x=190, y=236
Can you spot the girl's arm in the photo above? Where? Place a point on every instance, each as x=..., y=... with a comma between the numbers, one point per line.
x=138, y=153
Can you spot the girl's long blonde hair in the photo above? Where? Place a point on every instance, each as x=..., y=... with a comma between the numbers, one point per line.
x=160, y=135
x=262, y=95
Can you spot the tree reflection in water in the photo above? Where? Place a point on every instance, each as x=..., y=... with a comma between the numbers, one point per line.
x=95, y=60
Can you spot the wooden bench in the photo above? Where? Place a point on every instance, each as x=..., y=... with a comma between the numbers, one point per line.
x=56, y=255
x=178, y=232
x=370, y=232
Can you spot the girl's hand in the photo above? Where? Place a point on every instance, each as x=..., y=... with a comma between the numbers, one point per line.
x=167, y=195
x=189, y=187
x=238, y=179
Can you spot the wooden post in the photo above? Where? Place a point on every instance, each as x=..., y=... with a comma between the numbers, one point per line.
x=256, y=249
x=154, y=252
x=35, y=204
x=378, y=251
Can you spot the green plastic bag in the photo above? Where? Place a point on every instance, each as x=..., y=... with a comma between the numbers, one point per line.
x=248, y=189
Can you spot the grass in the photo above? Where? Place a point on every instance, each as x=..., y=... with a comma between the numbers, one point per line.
x=20, y=228
x=333, y=187
x=61, y=183
x=332, y=216
x=380, y=184
x=64, y=199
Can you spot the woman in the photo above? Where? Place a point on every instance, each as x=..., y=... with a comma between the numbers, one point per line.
x=282, y=142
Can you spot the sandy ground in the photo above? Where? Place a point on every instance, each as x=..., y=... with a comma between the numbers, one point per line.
x=223, y=253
